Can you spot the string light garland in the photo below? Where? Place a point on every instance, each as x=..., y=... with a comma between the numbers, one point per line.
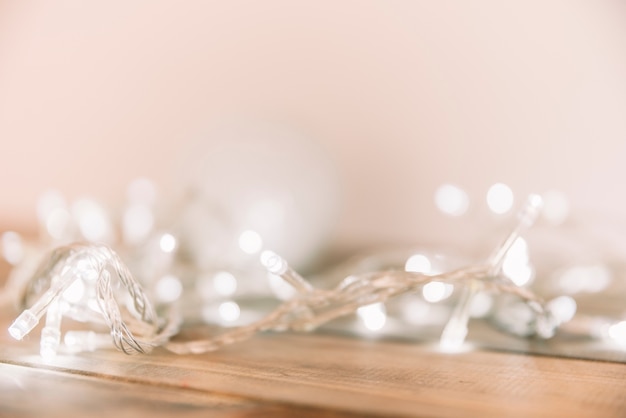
x=455, y=332
x=109, y=295
x=170, y=284
x=89, y=283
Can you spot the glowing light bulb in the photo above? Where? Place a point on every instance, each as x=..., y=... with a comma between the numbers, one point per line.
x=79, y=270
x=93, y=220
x=229, y=311
x=29, y=318
x=167, y=243
x=556, y=207
x=168, y=289
x=617, y=332
x=437, y=291
x=516, y=263
x=51, y=333
x=373, y=316
x=563, y=308
x=23, y=324
x=276, y=265
x=250, y=242
x=12, y=247
x=518, y=251
x=451, y=200
x=500, y=198
x=418, y=263
x=521, y=275
x=225, y=283
x=50, y=341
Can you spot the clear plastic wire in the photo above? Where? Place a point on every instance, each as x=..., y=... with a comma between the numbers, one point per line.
x=307, y=311
x=135, y=327
x=455, y=331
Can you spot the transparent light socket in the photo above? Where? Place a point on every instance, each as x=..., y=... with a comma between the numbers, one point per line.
x=456, y=329
x=50, y=341
x=23, y=324
x=277, y=265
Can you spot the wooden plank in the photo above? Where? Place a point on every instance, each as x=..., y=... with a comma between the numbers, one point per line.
x=37, y=392
x=360, y=376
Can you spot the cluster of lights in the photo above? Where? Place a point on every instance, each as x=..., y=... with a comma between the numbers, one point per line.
x=452, y=200
x=162, y=253
x=77, y=284
x=80, y=284
x=89, y=283
x=517, y=266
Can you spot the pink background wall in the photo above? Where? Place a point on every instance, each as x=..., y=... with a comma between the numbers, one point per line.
x=404, y=95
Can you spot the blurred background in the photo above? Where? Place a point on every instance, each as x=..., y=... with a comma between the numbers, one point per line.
x=379, y=103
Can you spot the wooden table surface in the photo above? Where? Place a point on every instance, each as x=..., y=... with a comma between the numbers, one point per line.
x=304, y=375
x=307, y=375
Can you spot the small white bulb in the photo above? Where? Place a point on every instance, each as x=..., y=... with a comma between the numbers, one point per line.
x=373, y=316
x=225, y=283
x=563, y=308
x=229, y=311
x=617, y=332
x=23, y=324
x=49, y=344
x=274, y=263
x=168, y=289
x=437, y=291
x=500, y=198
x=167, y=243
x=12, y=247
x=418, y=263
x=451, y=200
x=250, y=242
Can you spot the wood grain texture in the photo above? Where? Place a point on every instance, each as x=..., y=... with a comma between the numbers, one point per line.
x=294, y=374
x=37, y=392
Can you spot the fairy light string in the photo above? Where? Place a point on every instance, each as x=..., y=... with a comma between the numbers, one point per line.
x=112, y=298
x=456, y=329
